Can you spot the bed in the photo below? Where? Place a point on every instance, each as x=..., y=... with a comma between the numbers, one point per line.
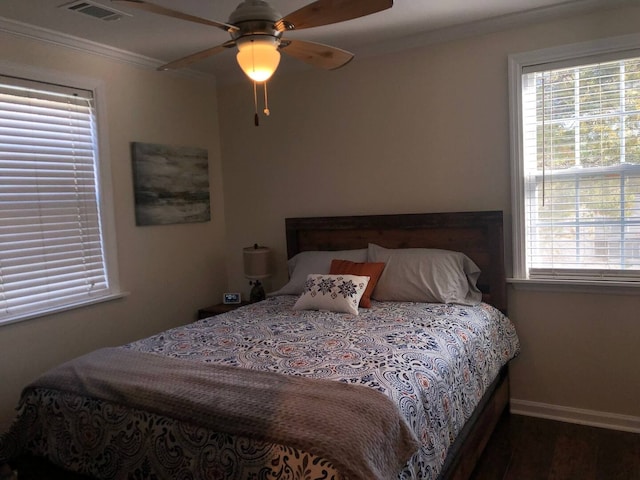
x=420, y=385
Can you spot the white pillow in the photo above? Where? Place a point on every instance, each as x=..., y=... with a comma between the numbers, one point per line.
x=306, y=263
x=425, y=275
x=335, y=293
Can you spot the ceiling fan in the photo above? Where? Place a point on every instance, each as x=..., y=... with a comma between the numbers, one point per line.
x=257, y=30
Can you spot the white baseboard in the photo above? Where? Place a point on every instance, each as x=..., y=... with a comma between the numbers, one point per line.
x=580, y=416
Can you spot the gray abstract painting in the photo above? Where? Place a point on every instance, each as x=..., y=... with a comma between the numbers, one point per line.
x=171, y=184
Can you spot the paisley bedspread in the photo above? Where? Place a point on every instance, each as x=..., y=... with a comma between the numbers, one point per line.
x=434, y=361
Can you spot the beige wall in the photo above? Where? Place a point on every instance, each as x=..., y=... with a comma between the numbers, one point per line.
x=169, y=271
x=425, y=131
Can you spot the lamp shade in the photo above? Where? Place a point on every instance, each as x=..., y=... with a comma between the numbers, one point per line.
x=256, y=262
x=258, y=56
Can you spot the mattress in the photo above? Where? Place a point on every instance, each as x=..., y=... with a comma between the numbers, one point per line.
x=433, y=361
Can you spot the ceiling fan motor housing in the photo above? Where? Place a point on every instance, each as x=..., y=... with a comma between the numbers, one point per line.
x=255, y=17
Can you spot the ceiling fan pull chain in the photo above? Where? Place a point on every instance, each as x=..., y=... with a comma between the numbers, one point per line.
x=256, y=119
x=267, y=112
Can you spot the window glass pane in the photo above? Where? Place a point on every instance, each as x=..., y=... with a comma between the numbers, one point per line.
x=632, y=137
x=599, y=89
x=556, y=145
x=585, y=223
x=556, y=94
x=600, y=143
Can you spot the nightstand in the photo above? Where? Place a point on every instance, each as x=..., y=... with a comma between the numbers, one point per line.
x=219, y=308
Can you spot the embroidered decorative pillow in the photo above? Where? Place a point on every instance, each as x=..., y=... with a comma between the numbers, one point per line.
x=335, y=293
x=372, y=269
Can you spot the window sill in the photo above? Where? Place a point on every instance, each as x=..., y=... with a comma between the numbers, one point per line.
x=62, y=308
x=576, y=286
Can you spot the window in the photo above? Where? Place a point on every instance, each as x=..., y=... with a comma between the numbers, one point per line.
x=53, y=243
x=576, y=163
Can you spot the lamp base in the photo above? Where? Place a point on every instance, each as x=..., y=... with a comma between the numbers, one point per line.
x=257, y=292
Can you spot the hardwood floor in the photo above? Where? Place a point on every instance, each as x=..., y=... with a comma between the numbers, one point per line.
x=527, y=448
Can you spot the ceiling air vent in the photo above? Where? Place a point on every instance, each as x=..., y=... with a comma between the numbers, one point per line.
x=94, y=10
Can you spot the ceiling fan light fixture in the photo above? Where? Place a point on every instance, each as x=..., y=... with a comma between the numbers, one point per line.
x=258, y=56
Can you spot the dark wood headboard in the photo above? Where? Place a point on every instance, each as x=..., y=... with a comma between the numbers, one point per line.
x=477, y=234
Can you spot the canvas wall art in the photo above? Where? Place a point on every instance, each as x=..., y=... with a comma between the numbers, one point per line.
x=171, y=184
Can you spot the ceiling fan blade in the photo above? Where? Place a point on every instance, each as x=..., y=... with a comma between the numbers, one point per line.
x=326, y=12
x=316, y=54
x=151, y=7
x=188, y=60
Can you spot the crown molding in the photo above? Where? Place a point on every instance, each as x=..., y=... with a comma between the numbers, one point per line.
x=61, y=39
x=494, y=24
x=53, y=37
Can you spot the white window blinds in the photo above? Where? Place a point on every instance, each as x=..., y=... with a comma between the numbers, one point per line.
x=51, y=252
x=581, y=167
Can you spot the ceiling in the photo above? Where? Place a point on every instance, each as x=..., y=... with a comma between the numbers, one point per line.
x=408, y=23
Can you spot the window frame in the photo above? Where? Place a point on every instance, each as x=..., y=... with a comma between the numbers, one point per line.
x=576, y=54
x=103, y=180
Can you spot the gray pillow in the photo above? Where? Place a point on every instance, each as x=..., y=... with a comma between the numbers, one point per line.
x=425, y=275
x=312, y=262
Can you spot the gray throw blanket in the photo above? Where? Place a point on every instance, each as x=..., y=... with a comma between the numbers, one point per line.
x=358, y=429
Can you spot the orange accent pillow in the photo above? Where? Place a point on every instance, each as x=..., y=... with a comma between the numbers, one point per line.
x=373, y=270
